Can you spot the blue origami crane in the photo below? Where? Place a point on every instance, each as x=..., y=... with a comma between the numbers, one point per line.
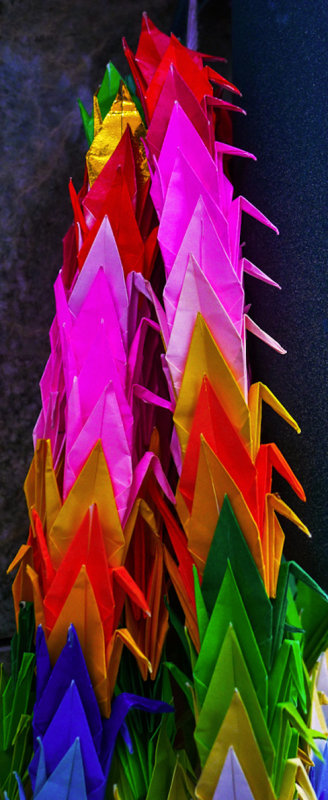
x=319, y=774
x=73, y=744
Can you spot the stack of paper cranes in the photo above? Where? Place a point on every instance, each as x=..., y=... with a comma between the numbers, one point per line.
x=175, y=648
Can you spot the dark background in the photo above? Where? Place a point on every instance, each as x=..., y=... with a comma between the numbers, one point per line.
x=53, y=53
x=280, y=64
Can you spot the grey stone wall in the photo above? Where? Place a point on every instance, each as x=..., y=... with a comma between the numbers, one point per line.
x=280, y=63
x=52, y=52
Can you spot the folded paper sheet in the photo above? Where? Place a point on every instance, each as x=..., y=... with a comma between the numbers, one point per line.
x=154, y=563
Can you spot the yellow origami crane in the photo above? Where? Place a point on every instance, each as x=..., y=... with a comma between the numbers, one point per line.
x=108, y=133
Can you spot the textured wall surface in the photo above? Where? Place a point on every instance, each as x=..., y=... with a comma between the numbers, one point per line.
x=55, y=52
x=280, y=63
x=51, y=53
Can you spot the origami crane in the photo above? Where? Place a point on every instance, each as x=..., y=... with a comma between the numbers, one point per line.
x=154, y=560
x=17, y=698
